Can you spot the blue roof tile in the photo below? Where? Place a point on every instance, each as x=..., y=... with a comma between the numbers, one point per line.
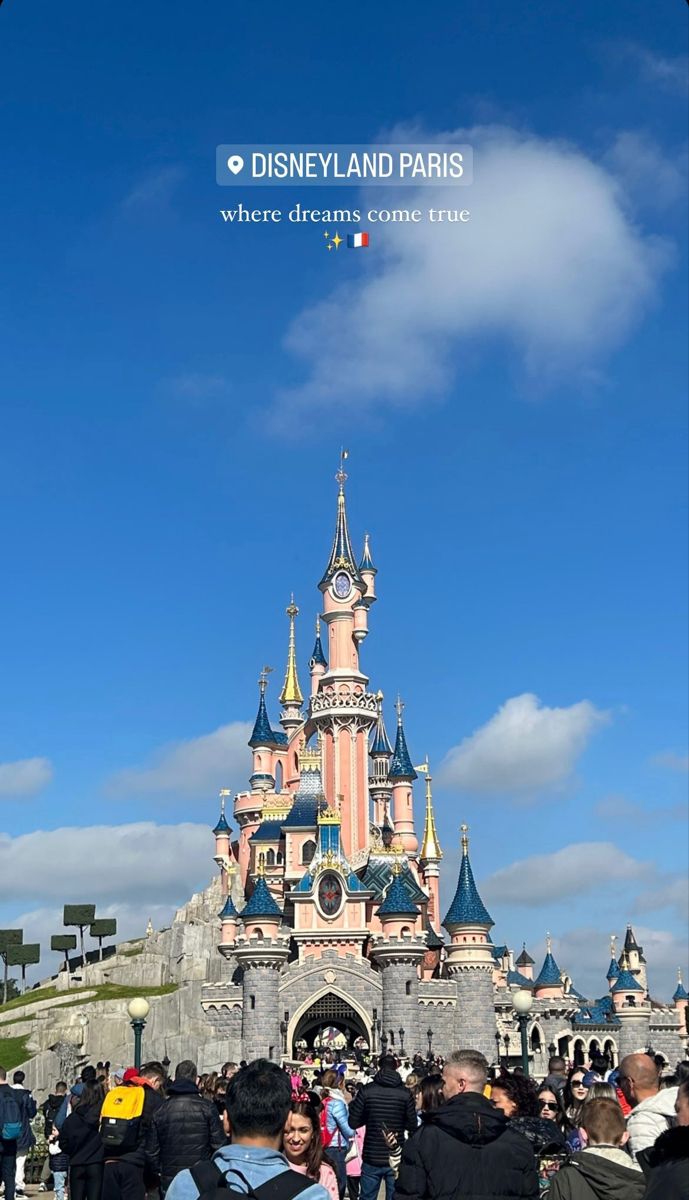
x=516, y=979
x=222, y=826
x=228, y=909
x=680, y=992
x=467, y=908
x=401, y=764
x=398, y=902
x=626, y=982
x=613, y=969
x=549, y=974
x=261, y=903
x=268, y=831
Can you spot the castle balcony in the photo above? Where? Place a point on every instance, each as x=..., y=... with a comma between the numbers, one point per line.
x=344, y=702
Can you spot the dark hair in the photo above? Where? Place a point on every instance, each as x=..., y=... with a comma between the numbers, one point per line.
x=560, y=1116
x=60, y=1086
x=571, y=1102
x=387, y=1062
x=314, y=1154
x=258, y=1099
x=88, y=1075
x=600, y=1063
x=153, y=1070
x=18, y=1077
x=430, y=1090
x=522, y=1092
x=556, y=1064
x=186, y=1070
x=92, y=1096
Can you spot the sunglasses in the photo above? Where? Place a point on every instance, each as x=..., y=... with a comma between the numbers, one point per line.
x=549, y=1104
x=578, y=1083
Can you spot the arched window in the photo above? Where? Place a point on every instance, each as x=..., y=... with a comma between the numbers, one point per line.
x=578, y=1053
x=279, y=858
x=535, y=1039
x=270, y=858
x=407, y=988
x=278, y=777
x=609, y=1051
x=307, y=852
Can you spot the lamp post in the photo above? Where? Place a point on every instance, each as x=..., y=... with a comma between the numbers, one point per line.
x=506, y=1040
x=283, y=1031
x=383, y=1043
x=375, y=1028
x=138, y=1010
x=551, y=1049
x=401, y=1033
x=522, y=1001
x=497, y=1045
x=429, y=1035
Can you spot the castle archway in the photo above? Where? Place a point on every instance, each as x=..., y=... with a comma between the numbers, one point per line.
x=327, y=1017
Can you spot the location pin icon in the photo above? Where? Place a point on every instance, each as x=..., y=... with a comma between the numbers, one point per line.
x=235, y=163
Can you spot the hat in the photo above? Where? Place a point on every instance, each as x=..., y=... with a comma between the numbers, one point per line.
x=118, y=1073
x=130, y=1073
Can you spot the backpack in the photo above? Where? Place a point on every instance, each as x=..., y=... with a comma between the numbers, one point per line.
x=327, y=1135
x=120, y=1118
x=213, y=1184
x=10, y=1116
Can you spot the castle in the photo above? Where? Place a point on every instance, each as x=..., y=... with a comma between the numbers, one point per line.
x=324, y=918
x=331, y=917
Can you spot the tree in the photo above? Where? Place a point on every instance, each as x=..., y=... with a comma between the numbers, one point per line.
x=81, y=915
x=104, y=927
x=64, y=942
x=23, y=956
x=9, y=938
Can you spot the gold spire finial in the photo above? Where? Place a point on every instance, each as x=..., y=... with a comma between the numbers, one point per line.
x=397, y=865
x=464, y=830
x=291, y=692
x=261, y=866
x=430, y=845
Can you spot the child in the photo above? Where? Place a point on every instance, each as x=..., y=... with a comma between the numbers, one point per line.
x=603, y=1169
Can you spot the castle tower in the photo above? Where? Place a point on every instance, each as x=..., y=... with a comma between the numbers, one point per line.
x=291, y=698
x=398, y=952
x=633, y=1011
x=261, y=952
x=470, y=962
x=525, y=963
x=613, y=969
x=681, y=1001
x=228, y=927
x=634, y=956
x=317, y=663
x=342, y=709
x=368, y=572
x=430, y=854
x=402, y=776
x=549, y=984
x=380, y=753
x=223, y=850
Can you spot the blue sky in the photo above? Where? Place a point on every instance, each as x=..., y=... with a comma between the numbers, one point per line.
x=175, y=391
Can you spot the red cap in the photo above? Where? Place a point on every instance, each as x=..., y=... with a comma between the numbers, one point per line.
x=130, y=1073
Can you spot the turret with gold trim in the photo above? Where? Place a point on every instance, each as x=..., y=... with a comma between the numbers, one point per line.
x=291, y=698
x=430, y=854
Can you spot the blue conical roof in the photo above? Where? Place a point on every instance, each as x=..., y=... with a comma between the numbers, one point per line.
x=467, y=908
x=222, y=826
x=613, y=969
x=381, y=742
x=680, y=992
x=401, y=764
x=366, y=563
x=262, y=733
x=318, y=657
x=398, y=902
x=228, y=909
x=626, y=982
x=341, y=555
x=261, y=903
x=549, y=974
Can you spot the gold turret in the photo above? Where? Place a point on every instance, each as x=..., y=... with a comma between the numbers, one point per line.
x=430, y=845
x=291, y=692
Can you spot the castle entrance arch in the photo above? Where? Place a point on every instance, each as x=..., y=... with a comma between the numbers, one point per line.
x=328, y=1021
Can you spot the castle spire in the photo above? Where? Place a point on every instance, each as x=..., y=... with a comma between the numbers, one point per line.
x=467, y=908
x=381, y=744
x=401, y=766
x=318, y=657
x=291, y=692
x=430, y=845
x=341, y=555
x=262, y=734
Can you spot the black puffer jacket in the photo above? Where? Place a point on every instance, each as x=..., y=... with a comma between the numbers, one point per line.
x=466, y=1148
x=183, y=1131
x=666, y=1165
x=80, y=1136
x=385, y=1101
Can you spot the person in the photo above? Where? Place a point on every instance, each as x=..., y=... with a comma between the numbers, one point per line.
x=59, y=1164
x=429, y=1094
x=51, y=1107
x=124, y=1170
x=551, y=1106
x=557, y=1073
x=653, y=1110
x=535, y=1118
x=666, y=1163
x=229, y=1069
x=385, y=1102
x=258, y=1102
x=337, y=1131
x=27, y=1137
x=466, y=1146
x=302, y=1146
x=603, y=1170
x=10, y=1113
x=80, y=1140
x=574, y=1093
x=185, y=1129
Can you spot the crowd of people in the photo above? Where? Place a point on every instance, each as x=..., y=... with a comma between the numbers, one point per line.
x=418, y=1130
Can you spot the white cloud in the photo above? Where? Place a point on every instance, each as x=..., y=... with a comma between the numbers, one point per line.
x=670, y=73
x=617, y=808
x=543, y=879
x=655, y=179
x=669, y=892
x=25, y=777
x=197, y=767
x=103, y=863
x=523, y=748
x=550, y=264
x=584, y=954
x=671, y=761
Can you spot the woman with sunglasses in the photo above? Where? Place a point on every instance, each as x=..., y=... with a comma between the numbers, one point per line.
x=551, y=1107
x=575, y=1092
x=516, y=1096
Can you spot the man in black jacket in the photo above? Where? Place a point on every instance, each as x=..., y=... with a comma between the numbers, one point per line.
x=185, y=1130
x=466, y=1148
x=385, y=1104
x=124, y=1176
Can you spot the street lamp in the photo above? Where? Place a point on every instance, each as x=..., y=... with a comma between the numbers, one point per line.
x=497, y=1045
x=401, y=1033
x=375, y=1028
x=551, y=1049
x=506, y=1040
x=383, y=1043
x=429, y=1035
x=138, y=1010
x=522, y=1001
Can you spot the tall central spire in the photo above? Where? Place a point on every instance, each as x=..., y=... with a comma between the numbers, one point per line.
x=341, y=555
x=291, y=692
x=430, y=845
